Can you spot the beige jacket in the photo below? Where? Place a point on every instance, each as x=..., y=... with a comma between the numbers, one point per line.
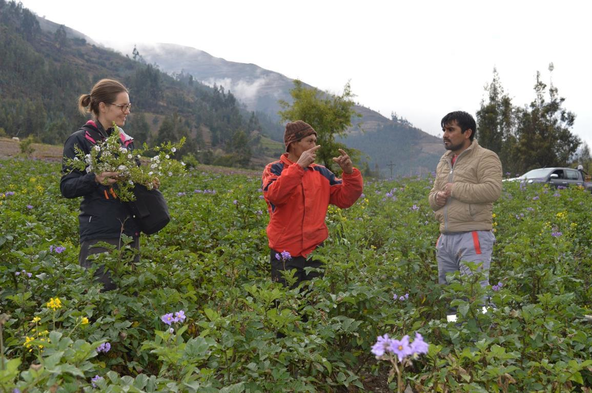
x=477, y=178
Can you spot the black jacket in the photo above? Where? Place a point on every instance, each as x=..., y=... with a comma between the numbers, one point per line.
x=102, y=214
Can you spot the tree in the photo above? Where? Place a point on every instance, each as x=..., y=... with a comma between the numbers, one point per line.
x=241, y=148
x=168, y=130
x=140, y=129
x=61, y=37
x=495, y=123
x=584, y=158
x=329, y=115
x=137, y=56
x=537, y=135
x=29, y=24
x=543, y=130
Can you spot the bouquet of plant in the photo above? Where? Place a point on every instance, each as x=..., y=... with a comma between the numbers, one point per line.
x=111, y=156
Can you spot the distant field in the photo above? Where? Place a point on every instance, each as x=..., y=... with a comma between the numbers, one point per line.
x=11, y=148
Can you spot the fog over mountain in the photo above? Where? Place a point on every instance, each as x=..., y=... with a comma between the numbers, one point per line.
x=259, y=89
x=384, y=141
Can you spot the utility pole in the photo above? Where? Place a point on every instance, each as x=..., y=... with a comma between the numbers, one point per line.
x=391, y=166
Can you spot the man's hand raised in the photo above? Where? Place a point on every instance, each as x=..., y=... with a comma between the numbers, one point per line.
x=344, y=162
x=308, y=156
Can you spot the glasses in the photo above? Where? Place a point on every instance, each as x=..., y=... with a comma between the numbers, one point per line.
x=123, y=107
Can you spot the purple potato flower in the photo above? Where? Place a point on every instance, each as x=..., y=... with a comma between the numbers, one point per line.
x=167, y=318
x=401, y=298
x=179, y=316
x=381, y=346
x=95, y=379
x=401, y=348
x=419, y=346
x=104, y=347
x=283, y=256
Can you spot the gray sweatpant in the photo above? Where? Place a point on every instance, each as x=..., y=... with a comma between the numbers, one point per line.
x=453, y=249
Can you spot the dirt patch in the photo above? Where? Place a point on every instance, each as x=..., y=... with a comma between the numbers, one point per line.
x=11, y=148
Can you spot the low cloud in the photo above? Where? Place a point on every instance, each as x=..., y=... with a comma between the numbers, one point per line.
x=245, y=90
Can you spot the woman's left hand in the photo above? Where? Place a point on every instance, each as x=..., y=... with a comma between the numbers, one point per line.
x=156, y=183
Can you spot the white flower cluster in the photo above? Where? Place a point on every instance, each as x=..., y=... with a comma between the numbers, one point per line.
x=111, y=156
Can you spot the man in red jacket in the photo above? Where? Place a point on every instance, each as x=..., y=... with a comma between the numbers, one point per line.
x=298, y=193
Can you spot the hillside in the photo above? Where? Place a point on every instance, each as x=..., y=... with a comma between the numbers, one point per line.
x=227, y=111
x=45, y=67
x=382, y=140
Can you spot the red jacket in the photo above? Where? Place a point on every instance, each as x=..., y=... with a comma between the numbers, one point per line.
x=298, y=200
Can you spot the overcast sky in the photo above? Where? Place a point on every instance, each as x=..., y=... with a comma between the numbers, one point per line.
x=419, y=59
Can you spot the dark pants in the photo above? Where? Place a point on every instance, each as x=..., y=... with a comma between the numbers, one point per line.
x=88, y=247
x=298, y=264
x=295, y=263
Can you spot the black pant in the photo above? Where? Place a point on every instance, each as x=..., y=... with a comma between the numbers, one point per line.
x=294, y=263
x=88, y=247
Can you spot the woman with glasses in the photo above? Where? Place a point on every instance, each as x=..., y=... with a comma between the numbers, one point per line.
x=103, y=216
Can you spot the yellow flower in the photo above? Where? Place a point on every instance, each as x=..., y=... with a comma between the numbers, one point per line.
x=54, y=303
x=28, y=341
x=40, y=188
x=493, y=215
x=36, y=319
x=84, y=321
x=32, y=180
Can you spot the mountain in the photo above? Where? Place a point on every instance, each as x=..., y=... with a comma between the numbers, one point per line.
x=389, y=144
x=227, y=111
x=45, y=67
x=259, y=89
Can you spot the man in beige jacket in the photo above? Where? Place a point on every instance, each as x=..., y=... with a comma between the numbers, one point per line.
x=468, y=181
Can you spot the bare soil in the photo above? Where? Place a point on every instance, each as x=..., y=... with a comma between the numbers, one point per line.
x=11, y=148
